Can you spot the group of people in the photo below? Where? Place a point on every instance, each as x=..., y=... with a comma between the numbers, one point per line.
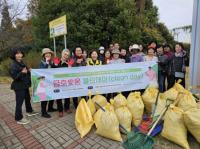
x=171, y=67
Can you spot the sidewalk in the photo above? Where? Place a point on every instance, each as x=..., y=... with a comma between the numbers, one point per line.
x=55, y=132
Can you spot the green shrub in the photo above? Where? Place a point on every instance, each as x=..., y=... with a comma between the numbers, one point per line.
x=32, y=59
x=4, y=67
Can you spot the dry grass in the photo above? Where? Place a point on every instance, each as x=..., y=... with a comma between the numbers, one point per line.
x=5, y=80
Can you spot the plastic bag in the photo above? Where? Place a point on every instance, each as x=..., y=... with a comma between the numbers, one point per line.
x=119, y=101
x=174, y=128
x=83, y=118
x=178, y=87
x=100, y=100
x=171, y=94
x=136, y=107
x=198, y=105
x=91, y=106
x=162, y=102
x=124, y=116
x=192, y=122
x=149, y=98
x=187, y=101
x=108, y=124
x=97, y=115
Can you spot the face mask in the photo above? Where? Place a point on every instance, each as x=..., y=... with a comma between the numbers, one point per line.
x=102, y=51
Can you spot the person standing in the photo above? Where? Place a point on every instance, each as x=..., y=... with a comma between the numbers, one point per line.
x=65, y=61
x=124, y=55
x=78, y=62
x=150, y=55
x=115, y=60
x=111, y=47
x=107, y=58
x=115, y=57
x=46, y=63
x=85, y=55
x=162, y=68
x=153, y=45
x=20, y=74
x=169, y=54
x=101, y=53
x=135, y=56
x=141, y=51
x=93, y=61
x=177, y=67
x=116, y=46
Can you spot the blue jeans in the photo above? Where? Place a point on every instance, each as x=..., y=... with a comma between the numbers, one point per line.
x=161, y=81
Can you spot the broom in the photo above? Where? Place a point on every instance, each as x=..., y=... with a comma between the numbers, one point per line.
x=145, y=141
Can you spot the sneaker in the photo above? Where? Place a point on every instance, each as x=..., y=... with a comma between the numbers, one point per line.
x=32, y=113
x=60, y=114
x=52, y=110
x=23, y=121
x=46, y=115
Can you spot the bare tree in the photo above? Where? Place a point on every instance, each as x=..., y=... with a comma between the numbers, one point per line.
x=16, y=7
x=33, y=7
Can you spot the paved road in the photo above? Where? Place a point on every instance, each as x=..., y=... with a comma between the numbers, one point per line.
x=55, y=132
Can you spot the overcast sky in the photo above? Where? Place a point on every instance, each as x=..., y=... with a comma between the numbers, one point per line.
x=175, y=13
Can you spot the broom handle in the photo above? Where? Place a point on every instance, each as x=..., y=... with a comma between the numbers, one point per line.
x=154, y=125
x=156, y=103
x=162, y=113
x=100, y=107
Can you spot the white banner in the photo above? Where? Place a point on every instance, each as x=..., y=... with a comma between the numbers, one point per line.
x=59, y=83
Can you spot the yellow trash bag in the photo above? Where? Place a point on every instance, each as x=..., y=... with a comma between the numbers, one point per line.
x=119, y=101
x=162, y=102
x=100, y=99
x=97, y=115
x=177, y=86
x=91, y=103
x=149, y=98
x=108, y=124
x=187, y=101
x=174, y=128
x=136, y=107
x=192, y=122
x=83, y=118
x=198, y=105
x=172, y=93
x=124, y=117
x=91, y=106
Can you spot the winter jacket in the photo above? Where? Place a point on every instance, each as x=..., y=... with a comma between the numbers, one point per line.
x=162, y=63
x=44, y=64
x=90, y=62
x=21, y=80
x=177, y=63
x=126, y=58
x=136, y=58
x=83, y=63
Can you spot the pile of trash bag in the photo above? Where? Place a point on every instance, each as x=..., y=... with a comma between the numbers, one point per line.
x=129, y=113
x=181, y=118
